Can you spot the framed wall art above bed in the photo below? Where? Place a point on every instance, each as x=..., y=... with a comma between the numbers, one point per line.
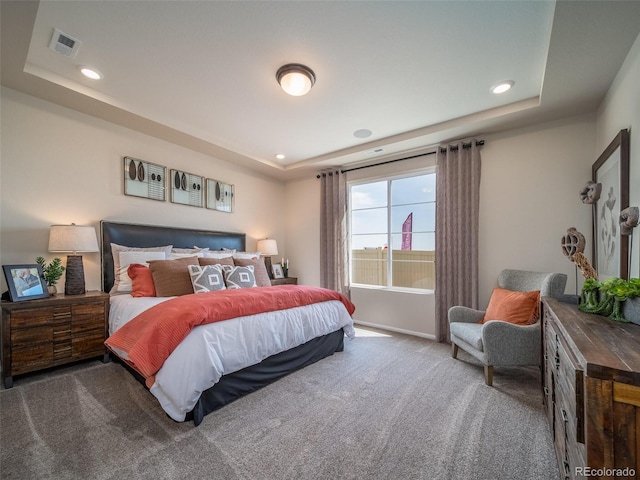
x=186, y=188
x=144, y=179
x=219, y=195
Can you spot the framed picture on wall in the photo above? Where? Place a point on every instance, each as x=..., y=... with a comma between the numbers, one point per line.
x=610, y=248
x=144, y=179
x=186, y=188
x=25, y=282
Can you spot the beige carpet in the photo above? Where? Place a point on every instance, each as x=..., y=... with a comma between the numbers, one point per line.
x=390, y=406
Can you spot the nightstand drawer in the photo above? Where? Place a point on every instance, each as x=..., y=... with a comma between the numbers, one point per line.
x=25, y=337
x=42, y=316
x=88, y=310
x=86, y=344
x=33, y=358
x=83, y=325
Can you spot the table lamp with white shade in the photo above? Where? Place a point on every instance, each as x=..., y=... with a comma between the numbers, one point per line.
x=268, y=247
x=75, y=239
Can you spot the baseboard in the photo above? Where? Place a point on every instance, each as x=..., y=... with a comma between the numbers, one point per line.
x=394, y=329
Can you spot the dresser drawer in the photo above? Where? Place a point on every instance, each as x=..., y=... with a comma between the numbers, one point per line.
x=570, y=394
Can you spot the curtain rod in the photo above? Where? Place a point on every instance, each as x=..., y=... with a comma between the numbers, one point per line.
x=479, y=143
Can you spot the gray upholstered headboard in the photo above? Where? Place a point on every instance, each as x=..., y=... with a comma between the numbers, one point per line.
x=134, y=235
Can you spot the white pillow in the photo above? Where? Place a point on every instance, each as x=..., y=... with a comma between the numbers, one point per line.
x=175, y=255
x=118, y=273
x=246, y=255
x=218, y=254
x=190, y=250
x=126, y=259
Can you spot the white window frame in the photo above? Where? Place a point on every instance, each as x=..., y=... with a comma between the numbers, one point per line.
x=388, y=178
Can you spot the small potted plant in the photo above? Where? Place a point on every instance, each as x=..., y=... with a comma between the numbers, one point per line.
x=52, y=273
x=614, y=298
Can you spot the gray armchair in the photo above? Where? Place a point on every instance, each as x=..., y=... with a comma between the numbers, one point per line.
x=497, y=343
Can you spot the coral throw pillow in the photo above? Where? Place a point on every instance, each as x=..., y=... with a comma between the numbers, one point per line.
x=141, y=281
x=520, y=308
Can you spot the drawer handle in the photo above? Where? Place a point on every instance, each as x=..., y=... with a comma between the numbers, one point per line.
x=546, y=391
x=60, y=332
x=565, y=416
x=62, y=314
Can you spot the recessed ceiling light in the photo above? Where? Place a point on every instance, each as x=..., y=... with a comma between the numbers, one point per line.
x=280, y=156
x=362, y=133
x=502, y=86
x=91, y=73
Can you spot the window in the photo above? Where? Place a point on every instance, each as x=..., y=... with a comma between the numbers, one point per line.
x=392, y=235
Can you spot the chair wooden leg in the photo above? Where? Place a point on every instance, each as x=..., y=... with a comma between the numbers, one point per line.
x=454, y=350
x=488, y=375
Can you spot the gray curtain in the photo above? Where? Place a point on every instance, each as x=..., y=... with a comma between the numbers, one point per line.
x=334, y=272
x=457, y=209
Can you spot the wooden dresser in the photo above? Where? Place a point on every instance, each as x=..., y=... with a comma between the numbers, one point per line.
x=38, y=334
x=591, y=392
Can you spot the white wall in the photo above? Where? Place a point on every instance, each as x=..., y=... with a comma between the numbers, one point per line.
x=302, y=224
x=59, y=166
x=621, y=109
x=529, y=197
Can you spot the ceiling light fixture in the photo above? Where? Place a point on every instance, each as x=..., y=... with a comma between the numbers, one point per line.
x=502, y=86
x=91, y=73
x=296, y=79
x=280, y=156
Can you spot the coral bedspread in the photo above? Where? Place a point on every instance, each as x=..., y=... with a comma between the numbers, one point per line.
x=147, y=341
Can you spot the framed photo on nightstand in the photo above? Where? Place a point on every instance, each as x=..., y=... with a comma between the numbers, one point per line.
x=277, y=270
x=25, y=282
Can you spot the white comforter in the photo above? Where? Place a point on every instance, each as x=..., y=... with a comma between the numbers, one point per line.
x=220, y=348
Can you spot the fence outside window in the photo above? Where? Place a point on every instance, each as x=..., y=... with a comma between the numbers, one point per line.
x=411, y=268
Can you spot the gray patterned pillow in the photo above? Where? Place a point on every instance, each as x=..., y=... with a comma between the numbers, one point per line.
x=208, y=278
x=239, y=277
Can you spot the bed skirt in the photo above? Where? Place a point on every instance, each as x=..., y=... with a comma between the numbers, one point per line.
x=235, y=385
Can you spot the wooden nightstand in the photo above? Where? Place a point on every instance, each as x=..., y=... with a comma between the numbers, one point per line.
x=284, y=281
x=38, y=334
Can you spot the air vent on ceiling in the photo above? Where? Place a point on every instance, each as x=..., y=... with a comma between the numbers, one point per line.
x=374, y=151
x=64, y=44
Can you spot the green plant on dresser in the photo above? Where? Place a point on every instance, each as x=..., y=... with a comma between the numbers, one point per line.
x=53, y=271
x=607, y=298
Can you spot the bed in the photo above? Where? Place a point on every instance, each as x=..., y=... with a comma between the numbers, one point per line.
x=207, y=370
